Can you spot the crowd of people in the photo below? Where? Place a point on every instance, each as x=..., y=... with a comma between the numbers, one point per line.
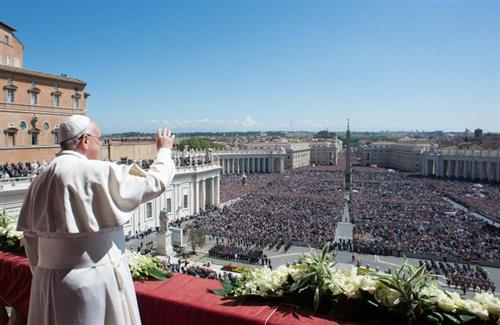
x=342, y=245
x=236, y=186
x=463, y=276
x=230, y=252
x=395, y=214
x=21, y=169
x=481, y=198
x=301, y=206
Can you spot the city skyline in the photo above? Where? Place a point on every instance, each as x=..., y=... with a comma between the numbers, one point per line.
x=289, y=66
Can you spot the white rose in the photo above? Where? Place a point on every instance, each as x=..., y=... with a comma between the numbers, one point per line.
x=367, y=284
x=350, y=285
x=489, y=301
x=296, y=273
x=250, y=288
x=335, y=289
x=446, y=303
x=475, y=308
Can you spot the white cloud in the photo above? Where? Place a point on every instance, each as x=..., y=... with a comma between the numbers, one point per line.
x=246, y=123
x=249, y=122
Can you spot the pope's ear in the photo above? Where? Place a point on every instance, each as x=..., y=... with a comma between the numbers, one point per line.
x=85, y=140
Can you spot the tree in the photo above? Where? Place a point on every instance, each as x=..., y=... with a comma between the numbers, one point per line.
x=196, y=238
x=199, y=143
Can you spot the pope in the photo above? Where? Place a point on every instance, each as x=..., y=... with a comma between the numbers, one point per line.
x=72, y=219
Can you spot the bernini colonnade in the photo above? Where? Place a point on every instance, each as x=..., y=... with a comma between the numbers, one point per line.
x=481, y=165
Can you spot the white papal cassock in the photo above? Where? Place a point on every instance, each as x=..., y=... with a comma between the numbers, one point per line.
x=72, y=219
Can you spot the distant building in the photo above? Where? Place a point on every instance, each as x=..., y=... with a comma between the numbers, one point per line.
x=491, y=141
x=325, y=153
x=32, y=104
x=478, y=133
x=297, y=154
x=473, y=165
x=128, y=149
x=404, y=155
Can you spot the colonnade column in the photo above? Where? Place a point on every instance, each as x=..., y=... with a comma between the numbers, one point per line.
x=489, y=174
x=203, y=195
x=465, y=170
x=212, y=191
x=425, y=167
x=473, y=170
x=197, y=198
x=498, y=172
x=440, y=168
x=458, y=168
x=272, y=164
x=217, y=190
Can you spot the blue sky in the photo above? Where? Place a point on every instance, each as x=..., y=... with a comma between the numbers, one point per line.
x=262, y=65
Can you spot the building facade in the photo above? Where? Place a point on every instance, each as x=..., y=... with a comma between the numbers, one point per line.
x=116, y=150
x=400, y=156
x=251, y=161
x=297, y=154
x=473, y=165
x=32, y=104
x=325, y=153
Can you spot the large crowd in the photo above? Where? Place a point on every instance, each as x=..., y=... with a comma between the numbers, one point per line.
x=237, y=186
x=21, y=169
x=395, y=214
x=481, y=198
x=301, y=206
x=463, y=276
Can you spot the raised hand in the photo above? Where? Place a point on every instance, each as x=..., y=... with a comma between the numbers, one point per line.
x=164, y=139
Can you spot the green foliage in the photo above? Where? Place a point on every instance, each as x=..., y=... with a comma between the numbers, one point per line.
x=196, y=238
x=409, y=282
x=317, y=275
x=409, y=296
x=199, y=143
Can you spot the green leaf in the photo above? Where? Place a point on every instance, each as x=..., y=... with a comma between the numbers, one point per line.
x=227, y=285
x=466, y=318
x=451, y=318
x=317, y=296
x=220, y=292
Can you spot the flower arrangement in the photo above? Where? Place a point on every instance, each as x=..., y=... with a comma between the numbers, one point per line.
x=10, y=239
x=146, y=267
x=410, y=295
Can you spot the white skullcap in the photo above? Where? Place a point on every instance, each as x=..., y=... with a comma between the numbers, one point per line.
x=74, y=126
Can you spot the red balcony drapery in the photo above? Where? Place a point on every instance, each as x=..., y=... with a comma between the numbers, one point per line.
x=180, y=300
